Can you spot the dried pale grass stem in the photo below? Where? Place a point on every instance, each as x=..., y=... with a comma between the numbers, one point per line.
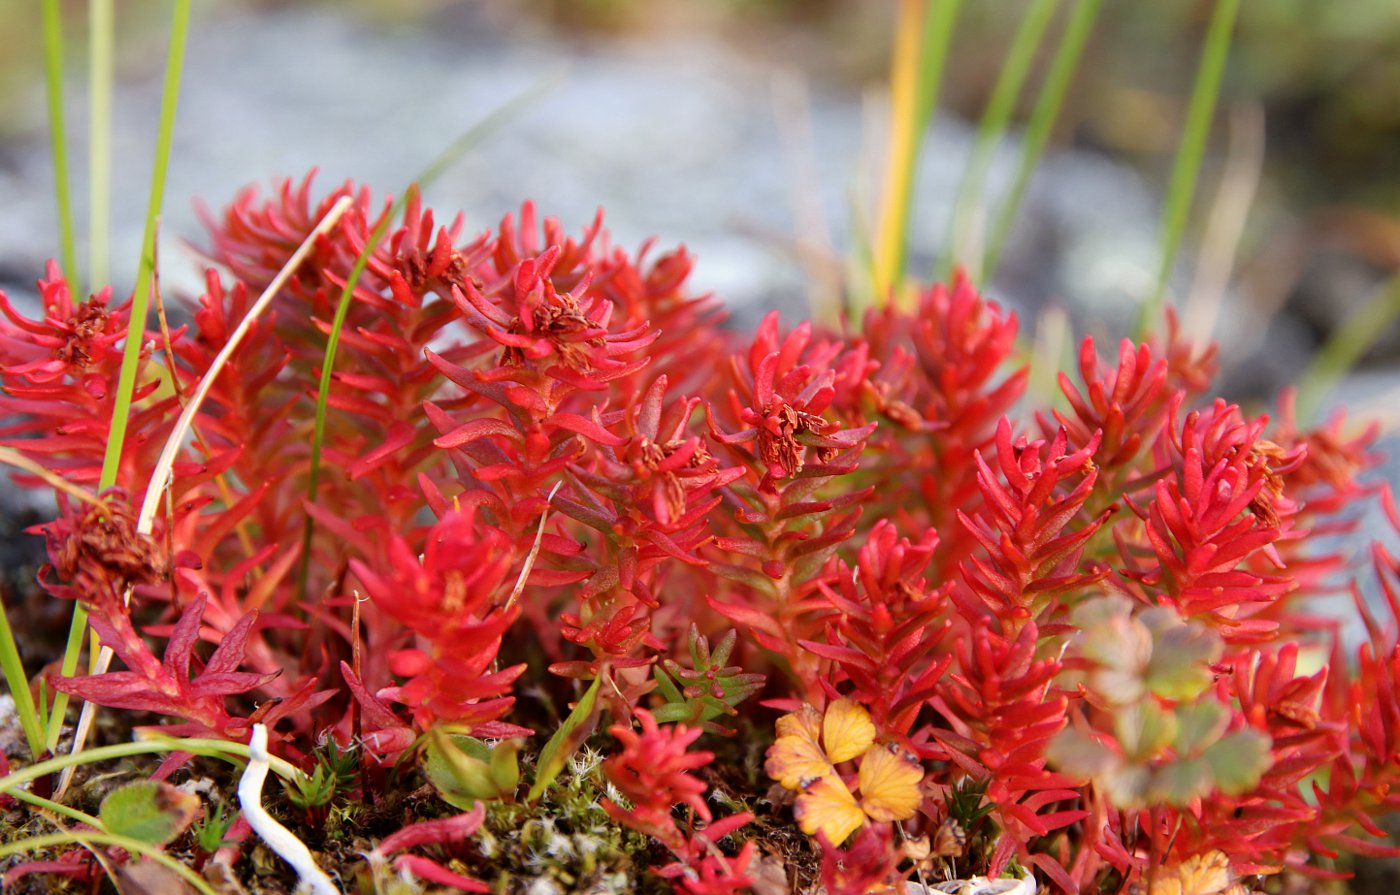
x=160, y=476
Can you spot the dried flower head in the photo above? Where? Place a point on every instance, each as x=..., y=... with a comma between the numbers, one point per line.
x=96, y=550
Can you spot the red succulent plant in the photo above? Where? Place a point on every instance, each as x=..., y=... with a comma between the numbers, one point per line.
x=545, y=458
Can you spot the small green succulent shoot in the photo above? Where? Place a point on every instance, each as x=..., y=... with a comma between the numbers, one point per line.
x=968, y=805
x=465, y=770
x=313, y=790
x=337, y=769
x=210, y=833
x=708, y=689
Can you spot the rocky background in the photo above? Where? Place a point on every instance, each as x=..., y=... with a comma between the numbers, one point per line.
x=750, y=131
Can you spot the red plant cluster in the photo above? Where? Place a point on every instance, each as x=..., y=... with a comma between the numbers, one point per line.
x=652, y=773
x=546, y=462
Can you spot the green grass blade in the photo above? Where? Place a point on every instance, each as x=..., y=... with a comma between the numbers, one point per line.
x=860, y=264
x=134, y=846
x=907, y=136
x=101, y=26
x=566, y=740
x=18, y=683
x=136, y=329
x=992, y=128
x=468, y=140
x=1042, y=122
x=1345, y=347
x=81, y=817
x=940, y=21
x=179, y=29
x=58, y=141
x=1190, y=153
x=71, y=650
x=233, y=753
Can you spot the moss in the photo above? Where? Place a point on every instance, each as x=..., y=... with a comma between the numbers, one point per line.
x=566, y=842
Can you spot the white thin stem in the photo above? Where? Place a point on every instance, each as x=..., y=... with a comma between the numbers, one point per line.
x=534, y=550
x=278, y=838
x=160, y=476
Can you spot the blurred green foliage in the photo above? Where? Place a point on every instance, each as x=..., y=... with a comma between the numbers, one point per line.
x=1158, y=736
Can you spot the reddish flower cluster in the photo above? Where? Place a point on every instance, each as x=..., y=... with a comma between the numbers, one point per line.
x=529, y=465
x=652, y=772
x=60, y=378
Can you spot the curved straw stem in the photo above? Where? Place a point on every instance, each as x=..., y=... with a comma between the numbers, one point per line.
x=160, y=476
x=12, y=457
x=460, y=146
x=89, y=838
x=148, y=745
x=136, y=324
x=534, y=550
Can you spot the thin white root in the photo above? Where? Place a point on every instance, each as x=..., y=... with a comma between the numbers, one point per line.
x=160, y=476
x=278, y=838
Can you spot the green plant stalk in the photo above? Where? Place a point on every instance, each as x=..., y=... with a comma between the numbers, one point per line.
x=126, y=843
x=136, y=329
x=1345, y=347
x=18, y=683
x=468, y=140
x=81, y=817
x=992, y=128
x=318, y=436
x=939, y=19
x=58, y=140
x=221, y=749
x=1191, y=151
x=1042, y=122
x=101, y=25
x=939, y=23
x=71, y=650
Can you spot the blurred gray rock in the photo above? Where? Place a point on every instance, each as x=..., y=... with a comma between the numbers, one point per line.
x=680, y=139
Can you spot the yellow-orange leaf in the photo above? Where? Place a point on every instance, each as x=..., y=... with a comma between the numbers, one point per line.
x=805, y=722
x=796, y=760
x=889, y=784
x=827, y=806
x=1207, y=874
x=847, y=730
